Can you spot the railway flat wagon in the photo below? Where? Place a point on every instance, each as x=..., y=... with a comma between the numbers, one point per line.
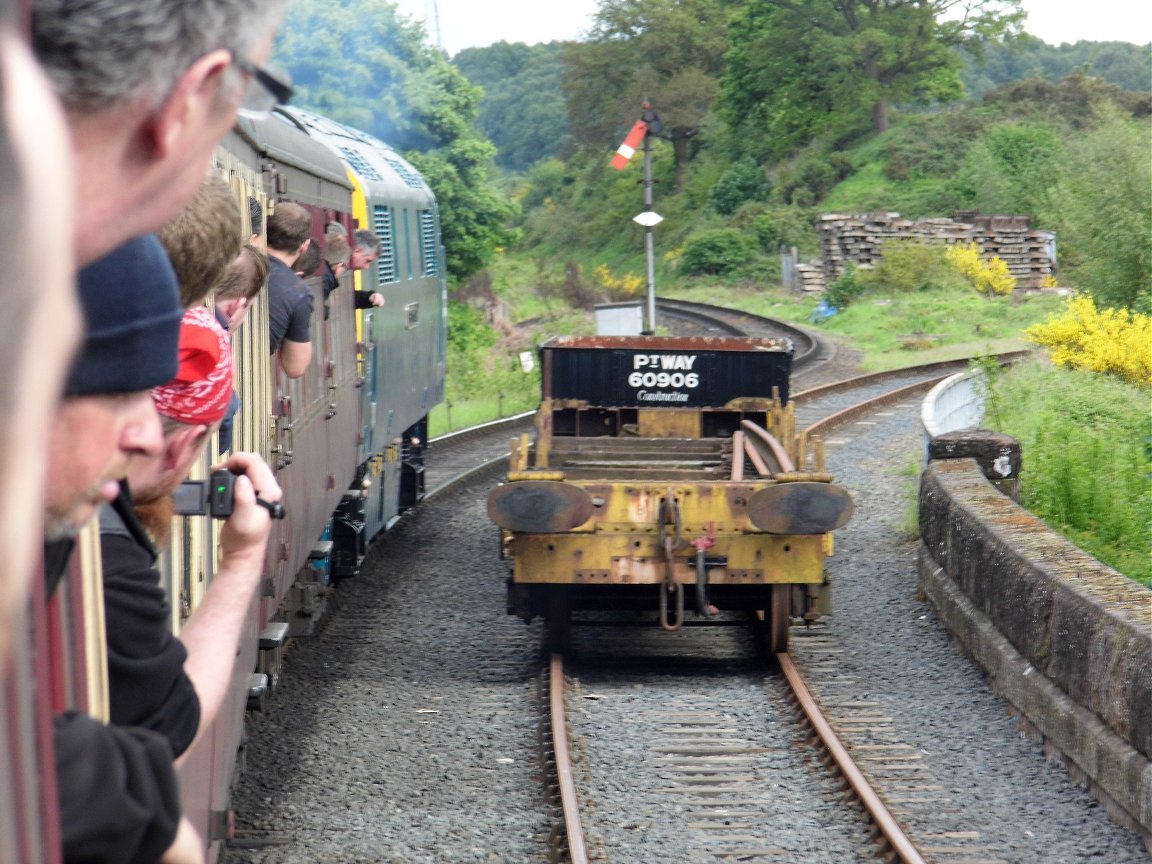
x=667, y=474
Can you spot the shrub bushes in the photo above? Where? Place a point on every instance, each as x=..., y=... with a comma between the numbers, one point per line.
x=743, y=181
x=813, y=178
x=782, y=226
x=619, y=288
x=909, y=266
x=1113, y=341
x=712, y=253
x=847, y=288
x=988, y=277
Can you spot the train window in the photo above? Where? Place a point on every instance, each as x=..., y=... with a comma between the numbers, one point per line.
x=383, y=227
x=429, y=260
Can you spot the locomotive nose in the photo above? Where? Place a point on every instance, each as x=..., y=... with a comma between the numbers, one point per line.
x=539, y=506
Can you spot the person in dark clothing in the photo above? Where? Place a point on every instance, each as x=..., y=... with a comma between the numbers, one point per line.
x=290, y=301
x=118, y=793
x=333, y=262
x=147, y=686
x=365, y=251
x=119, y=778
x=339, y=258
x=176, y=686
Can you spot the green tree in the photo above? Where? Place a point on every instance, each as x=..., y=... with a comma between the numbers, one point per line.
x=356, y=62
x=1011, y=60
x=1104, y=217
x=361, y=63
x=799, y=69
x=522, y=110
x=743, y=181
x=1012, y=169
x=667, y=52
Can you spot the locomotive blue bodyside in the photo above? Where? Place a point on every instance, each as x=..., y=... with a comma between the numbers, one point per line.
x=403, y=343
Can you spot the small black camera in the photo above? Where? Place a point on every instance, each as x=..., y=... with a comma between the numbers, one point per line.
x=212, y=497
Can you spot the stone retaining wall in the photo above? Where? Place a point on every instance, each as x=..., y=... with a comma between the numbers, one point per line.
x=1065, y=638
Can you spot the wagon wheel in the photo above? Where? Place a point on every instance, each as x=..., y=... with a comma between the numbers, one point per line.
x=779, y=618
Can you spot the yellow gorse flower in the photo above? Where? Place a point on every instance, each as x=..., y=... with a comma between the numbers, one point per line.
x=1113, y=341
x=988, y=277
x=628, y=285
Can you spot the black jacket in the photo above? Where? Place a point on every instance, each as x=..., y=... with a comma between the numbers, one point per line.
x=147, y=685
x=117, y=787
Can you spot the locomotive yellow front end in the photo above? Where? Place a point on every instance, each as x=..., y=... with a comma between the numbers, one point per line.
x=686, y=509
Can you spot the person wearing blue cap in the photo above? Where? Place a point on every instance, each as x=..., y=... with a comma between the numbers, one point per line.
x=132, y=313
x=119, y=796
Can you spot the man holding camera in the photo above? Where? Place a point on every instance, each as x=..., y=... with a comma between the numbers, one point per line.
x=177, y=686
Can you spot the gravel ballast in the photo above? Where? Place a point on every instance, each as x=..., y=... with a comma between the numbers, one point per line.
x=406, y=729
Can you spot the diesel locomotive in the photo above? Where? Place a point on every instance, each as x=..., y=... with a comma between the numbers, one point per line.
x=668, y=475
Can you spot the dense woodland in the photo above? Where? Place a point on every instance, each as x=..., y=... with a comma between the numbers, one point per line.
x=772, y=111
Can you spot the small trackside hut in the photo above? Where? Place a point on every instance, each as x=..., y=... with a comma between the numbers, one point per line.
x=667, y=474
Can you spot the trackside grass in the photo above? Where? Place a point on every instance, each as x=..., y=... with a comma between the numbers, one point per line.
x=1086, y=442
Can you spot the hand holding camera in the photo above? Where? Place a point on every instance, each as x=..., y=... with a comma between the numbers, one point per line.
x=216, y=496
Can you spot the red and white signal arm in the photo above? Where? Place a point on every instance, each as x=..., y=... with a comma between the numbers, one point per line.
x=625, y=151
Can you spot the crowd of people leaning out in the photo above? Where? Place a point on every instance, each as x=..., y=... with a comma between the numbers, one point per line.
x=117, y=354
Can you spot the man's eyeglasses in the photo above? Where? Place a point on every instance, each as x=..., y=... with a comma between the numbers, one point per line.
x=266, y=89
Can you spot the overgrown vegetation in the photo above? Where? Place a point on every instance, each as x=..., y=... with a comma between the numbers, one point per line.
x=989, y=276
x=773, y=112
x=1112, y=341
x=1087, y=450
x=923, y=325
x=487, y=379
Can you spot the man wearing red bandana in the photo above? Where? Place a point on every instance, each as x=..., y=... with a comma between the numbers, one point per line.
x=177, y=686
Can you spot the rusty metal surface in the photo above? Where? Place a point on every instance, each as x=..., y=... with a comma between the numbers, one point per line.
x=881, y=815
x=766, y=450
x=800, y=508
x=637, y=558
x=539, y=506
x=569, y=804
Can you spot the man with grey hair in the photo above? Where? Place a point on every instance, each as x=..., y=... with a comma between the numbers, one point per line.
x=150, y=87
x=365, y=250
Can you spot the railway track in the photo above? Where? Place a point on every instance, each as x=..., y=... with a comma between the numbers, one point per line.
x=419, y=691
x=825, y=410
x=705, y=319
x=720, y=769
x=721, y=774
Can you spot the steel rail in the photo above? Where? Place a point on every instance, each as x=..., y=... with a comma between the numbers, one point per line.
x=577, y=852
x=882, y=817
x=944, y=366
x=842, y=418
x=808, y=343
